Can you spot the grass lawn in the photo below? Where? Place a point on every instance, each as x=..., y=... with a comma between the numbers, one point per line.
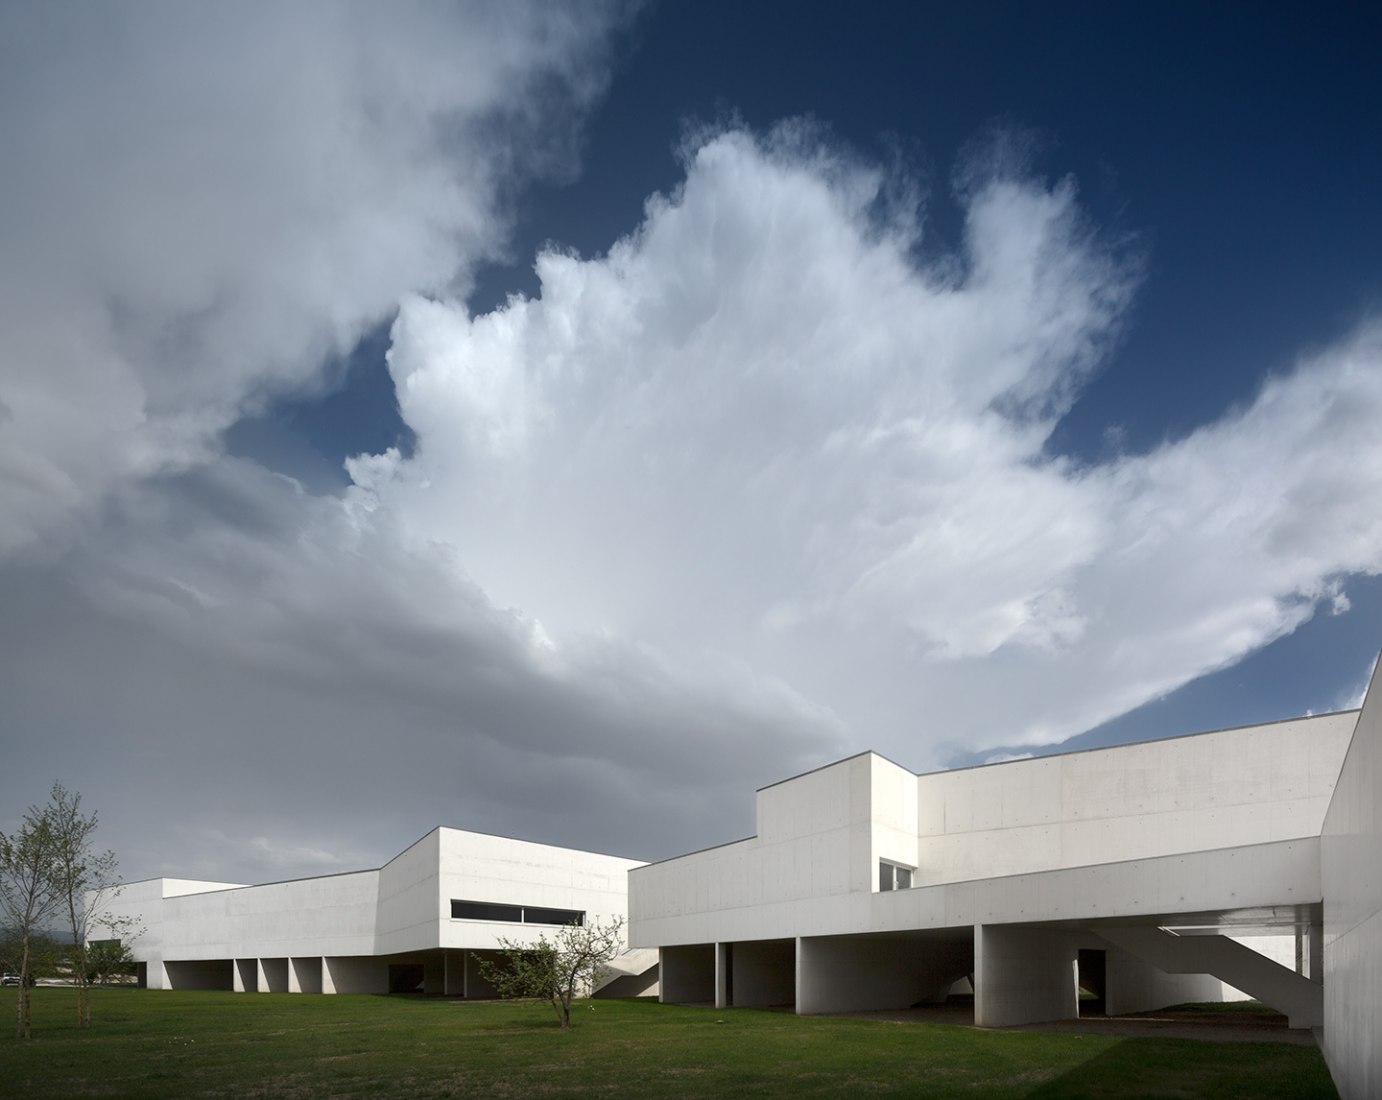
x=154, y=1043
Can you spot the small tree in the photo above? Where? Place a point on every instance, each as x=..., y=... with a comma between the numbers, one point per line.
x=83, y=879
x=557, y=970
x=45, y=953
x=27, y=898
x=107, y=960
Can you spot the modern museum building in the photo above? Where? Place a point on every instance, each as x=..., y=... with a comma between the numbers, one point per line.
x=1243, y=861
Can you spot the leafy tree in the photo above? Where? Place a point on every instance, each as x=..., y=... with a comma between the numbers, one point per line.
x=557, y=970
x=45, y=953
x=83, y=879
x=27, y=897
x=107, y=960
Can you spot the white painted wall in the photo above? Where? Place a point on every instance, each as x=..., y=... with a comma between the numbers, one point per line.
x=1024, y=975
x=403, y=907
x=408, y=888
x=812, y=868
x=477, y=867
x=1250, y=785
x=1351, y=858
x=815, y=841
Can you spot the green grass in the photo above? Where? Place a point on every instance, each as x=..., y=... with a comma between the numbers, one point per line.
x=150, y=1043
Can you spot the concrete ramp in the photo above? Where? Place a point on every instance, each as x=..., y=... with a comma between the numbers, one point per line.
x=1241, y=967
x=633, y=973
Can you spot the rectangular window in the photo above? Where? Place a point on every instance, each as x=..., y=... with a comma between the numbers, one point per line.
x=534, y=915
x=514, y=914
x=486, y=910
x=893, y=876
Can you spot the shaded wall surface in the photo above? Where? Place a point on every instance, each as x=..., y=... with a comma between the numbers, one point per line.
x=1351, y=868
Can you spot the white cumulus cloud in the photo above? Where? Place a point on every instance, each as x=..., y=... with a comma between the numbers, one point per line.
x=770, y=420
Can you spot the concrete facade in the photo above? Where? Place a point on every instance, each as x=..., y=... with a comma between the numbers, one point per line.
x=421, y=921
x=1187, y=869
x=1241, y=862
x=1352, y=873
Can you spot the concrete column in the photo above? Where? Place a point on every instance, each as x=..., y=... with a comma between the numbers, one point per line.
x=798, y=965
x=1024, y=975
x=261, y=976
x=328, y=978
x=724, y=955
x=245, y=975
x=294, y=983
x=1314, y=966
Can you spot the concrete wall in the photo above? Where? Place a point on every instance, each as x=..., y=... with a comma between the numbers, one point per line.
x=822, y=834
x=1157, y=890
x=355, y=975
x=687, y=974
x=1223, y=789
x=1132, y=985
x=763, y=972
x=305, y=974
x=478, y=867
x=1352, y=871
x=1024, y=975
x=199, y=974
x=273, y=937
x=893, y=820
x=858, y=973
x=409, y=915
x=814, y=840
x=333, y=914
x=143, y=903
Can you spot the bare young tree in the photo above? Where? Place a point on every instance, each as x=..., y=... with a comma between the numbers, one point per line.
x=557, y=970
x=83, y=879
x=27, y=897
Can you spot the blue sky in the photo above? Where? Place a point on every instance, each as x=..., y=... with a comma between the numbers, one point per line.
x=537, y=422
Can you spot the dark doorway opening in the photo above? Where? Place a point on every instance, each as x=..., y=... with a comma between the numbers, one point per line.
x=406, y=977
x=1093, y=982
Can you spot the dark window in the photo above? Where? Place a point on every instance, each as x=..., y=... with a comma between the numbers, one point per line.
x=486, y=910
x=893, y=876
x=534, y=915
x=514, y=914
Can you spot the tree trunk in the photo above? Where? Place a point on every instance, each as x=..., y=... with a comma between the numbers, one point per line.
x=83, y=993
x=21, y=1023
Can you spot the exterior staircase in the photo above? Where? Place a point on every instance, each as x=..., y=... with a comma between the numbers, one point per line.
x=1241, y=967
x=634, y=973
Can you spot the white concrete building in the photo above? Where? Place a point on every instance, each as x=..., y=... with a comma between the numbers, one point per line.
x=1186, y=869
x=418, y=922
